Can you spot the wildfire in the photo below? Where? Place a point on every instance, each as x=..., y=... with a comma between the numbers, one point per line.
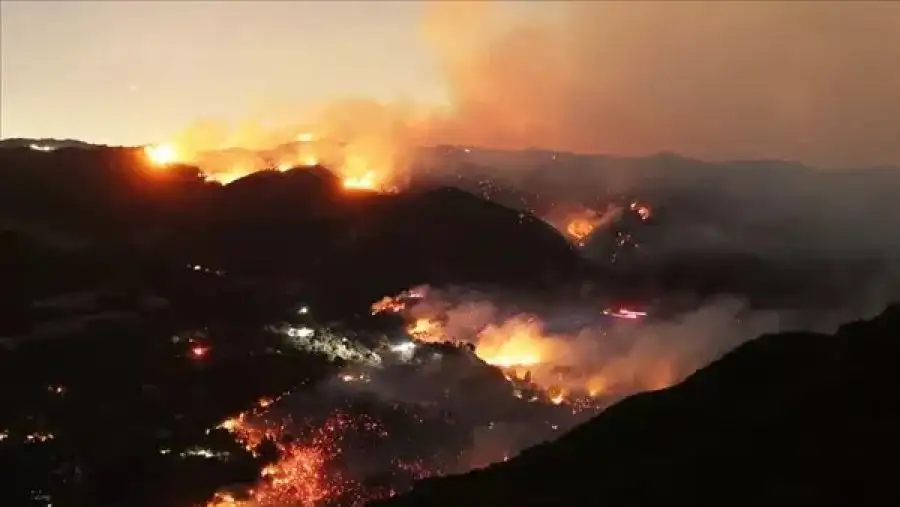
x=161, y=154
x=226, y=177
x=398, y=303
x=579, y=225
x=529, y=356
x=426, y=330
x=580, y=228
x=365, y=182
x=299, y=477
x=515, y=343
x=643, y=211
x=199, y=351
x=303, y=474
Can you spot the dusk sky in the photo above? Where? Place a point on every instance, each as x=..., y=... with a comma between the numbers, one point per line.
x=814, y=81
x=131, y=72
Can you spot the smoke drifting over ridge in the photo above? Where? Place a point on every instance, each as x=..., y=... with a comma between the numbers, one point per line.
x=810, y=81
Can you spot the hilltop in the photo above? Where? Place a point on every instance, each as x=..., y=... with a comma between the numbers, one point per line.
x=46, y=143
x=298, y=227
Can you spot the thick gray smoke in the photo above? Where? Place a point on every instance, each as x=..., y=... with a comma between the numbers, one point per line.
x=578, y=361
x=809, y=81
x=814, y=82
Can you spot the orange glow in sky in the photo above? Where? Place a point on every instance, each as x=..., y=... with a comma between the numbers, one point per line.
x=703, y=79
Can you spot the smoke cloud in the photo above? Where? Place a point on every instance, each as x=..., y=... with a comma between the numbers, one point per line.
x=575, y=346
x=809, y=81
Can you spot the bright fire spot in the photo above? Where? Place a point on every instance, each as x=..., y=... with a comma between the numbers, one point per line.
x=625, y=313
x=516, y=342
x=199, y=351
x=426, y=330
x=643, y=211
x=365, y=182
x=226, y=177
x=161, y=154
x=580, y=228
x=305, y=137
x=597, y=386
x=310, y=161
x=579, y=225
x=388, y=304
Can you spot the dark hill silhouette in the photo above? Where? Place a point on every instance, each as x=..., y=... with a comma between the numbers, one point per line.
x=356, y=246
x=776, y=233
x=297, y=227
x=792, y=418
x=25, y=142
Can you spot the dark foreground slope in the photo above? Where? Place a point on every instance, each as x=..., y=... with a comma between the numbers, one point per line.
x=794, y=418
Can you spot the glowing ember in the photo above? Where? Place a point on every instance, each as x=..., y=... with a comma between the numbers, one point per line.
x=302, y=475
x=625, y=313
x=580, y=228
x=643, y=211
x=161, y=154
x=199, y=351
x=388, y=304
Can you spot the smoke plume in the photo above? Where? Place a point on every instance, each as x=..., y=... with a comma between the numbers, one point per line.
x=809, y=81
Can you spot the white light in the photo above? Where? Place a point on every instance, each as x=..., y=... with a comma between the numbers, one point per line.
x=404, y=347
x=623, y=313
x=303, y=310
x=301, y=332
x=405, y=350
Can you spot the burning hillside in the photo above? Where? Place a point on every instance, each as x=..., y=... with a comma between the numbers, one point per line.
x=581, y=361
x=369, y=145
x=578, y=223
x=453, y=379
x=227, y=166
x=467, y=383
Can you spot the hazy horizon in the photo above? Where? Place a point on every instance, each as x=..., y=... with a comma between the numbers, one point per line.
x=802, y=81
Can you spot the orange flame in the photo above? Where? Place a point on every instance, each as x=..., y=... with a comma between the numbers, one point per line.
x=301, y=476
x=161, y=154
x=568, y=369
x=426, y=330
x=367, y=181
